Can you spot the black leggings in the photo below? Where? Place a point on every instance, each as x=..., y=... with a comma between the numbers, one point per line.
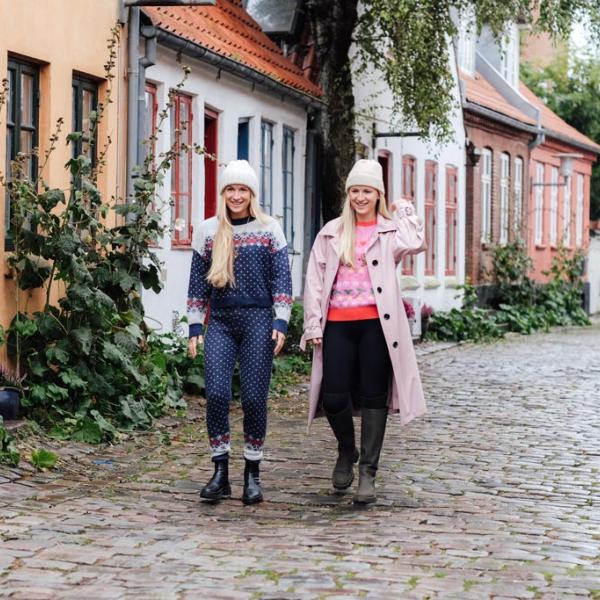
x=355, y=357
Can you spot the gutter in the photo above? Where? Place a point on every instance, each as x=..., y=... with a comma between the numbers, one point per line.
x=194, y=50
x=561, y=137
x=496, y=116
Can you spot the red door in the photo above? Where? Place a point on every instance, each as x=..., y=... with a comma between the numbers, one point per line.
x=211, y=120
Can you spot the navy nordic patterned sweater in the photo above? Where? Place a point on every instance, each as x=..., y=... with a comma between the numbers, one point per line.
x=261, y=269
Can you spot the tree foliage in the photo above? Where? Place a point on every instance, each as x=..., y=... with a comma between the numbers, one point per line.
x=407, y=41
x=569, y=86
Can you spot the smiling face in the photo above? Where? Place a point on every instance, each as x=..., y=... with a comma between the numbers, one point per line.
x=363, y=200
x=237, y=199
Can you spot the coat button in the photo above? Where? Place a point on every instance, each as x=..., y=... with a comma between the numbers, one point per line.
x=379, y=290
x=386, y=316
x=375, y=263
x=395, y=344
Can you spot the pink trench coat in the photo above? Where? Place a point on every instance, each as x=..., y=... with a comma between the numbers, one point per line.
x=393, y=240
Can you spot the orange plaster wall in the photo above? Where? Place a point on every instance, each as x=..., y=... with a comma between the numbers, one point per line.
x=63, y=37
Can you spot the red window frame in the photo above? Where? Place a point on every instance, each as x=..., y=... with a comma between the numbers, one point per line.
x=431, y=189
x=211, y=145
x=451, y=224
x=151, y=90
x=181, y=135
x=409, y=186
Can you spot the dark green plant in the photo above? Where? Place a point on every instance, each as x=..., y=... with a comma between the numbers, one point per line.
x=9, y=454
x=510, y=273
x=43, y=459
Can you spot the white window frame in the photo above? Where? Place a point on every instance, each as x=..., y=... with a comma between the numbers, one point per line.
x=509, y=56
x=579, y=210
x=539, y=204
x=466, y=43
x=518, y=197
x=567, y=211
x=486, y=195
x=504, y=196
x=554, y=206
x=288, y=181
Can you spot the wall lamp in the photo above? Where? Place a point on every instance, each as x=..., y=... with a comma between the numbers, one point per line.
x=565, y=169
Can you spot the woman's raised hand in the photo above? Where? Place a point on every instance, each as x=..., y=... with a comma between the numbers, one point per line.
x=279, y=339
x=193, y=343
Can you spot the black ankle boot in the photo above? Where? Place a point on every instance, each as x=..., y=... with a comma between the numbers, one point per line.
x=252, y=492
x=218, y=487
x=343, y=428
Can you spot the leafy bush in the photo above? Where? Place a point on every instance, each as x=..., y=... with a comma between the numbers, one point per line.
x=8, y=452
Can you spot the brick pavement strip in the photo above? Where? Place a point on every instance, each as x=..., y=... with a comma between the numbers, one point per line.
x=495, y=494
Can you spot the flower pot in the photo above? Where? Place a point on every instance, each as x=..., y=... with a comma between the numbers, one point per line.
x=9, y=404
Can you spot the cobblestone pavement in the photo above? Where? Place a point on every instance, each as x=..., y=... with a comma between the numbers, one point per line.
x=495, y=494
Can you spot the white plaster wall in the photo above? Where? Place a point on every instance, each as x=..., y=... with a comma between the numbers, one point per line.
x=594, y=273
x=234, y=99
x=373, y=98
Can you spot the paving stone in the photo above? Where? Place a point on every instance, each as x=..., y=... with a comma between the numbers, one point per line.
x=493, y=494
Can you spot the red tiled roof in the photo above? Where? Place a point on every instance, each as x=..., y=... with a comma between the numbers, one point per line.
x=479, y=91
x=230, y=31
x=552, y=122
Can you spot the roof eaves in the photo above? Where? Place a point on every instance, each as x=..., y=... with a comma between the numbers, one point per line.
x=561, y=137
x=500, y=117
x=204, y=54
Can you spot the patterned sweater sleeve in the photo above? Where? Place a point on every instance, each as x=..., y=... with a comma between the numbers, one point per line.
x=199, y=290
x=281, y=280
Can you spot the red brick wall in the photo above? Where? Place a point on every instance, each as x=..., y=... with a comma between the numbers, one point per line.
x=543, y=253
x=484, y=133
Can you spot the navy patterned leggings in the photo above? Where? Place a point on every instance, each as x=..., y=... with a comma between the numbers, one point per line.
x=232, y=334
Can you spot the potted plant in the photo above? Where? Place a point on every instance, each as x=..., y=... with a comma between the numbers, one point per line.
x=426, y=312
x=11, y=386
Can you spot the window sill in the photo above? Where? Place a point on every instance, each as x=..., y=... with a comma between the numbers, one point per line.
x=431, y=282
x=540, y=246
x=451, y=281
x=181, y=247
x=409, y=282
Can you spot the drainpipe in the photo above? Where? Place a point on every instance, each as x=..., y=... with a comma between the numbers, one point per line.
x=133, y=76
x=147, y=60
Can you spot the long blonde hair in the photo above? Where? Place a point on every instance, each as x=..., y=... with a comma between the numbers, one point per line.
x=220, y=273
x=347, y=231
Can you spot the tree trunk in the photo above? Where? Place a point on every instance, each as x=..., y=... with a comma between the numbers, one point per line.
x=333, y=23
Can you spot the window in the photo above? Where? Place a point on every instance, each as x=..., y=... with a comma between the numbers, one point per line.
x=466, y=43
x=85, y=101
x=430, y=217
x=211, y=137
x=288, y=185
x=266, y=166
x=21, y=126
x=150, y=112
x=518, y=197
x=539, y=204
x=509, y=56
x=554, y=206
x=451, y=224
x=409, y=167
x=579, y=210
x=504, y=196
x=181, y=167
x=567, y=212
x=486, y=195
x=243, y=139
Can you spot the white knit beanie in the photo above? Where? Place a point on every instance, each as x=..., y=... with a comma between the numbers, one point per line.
x=366, y=172
x=239, y=172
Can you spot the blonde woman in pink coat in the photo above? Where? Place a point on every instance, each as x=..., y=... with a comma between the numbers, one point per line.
x=354, y=319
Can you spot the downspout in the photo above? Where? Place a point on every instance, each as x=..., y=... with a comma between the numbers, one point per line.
x=133, y=77
x=147, y=60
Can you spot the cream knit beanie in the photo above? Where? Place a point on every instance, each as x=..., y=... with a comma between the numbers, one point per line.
x=240, y=172
x=366, y=172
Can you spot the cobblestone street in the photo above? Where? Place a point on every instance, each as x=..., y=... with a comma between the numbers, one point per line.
x=495, y=494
